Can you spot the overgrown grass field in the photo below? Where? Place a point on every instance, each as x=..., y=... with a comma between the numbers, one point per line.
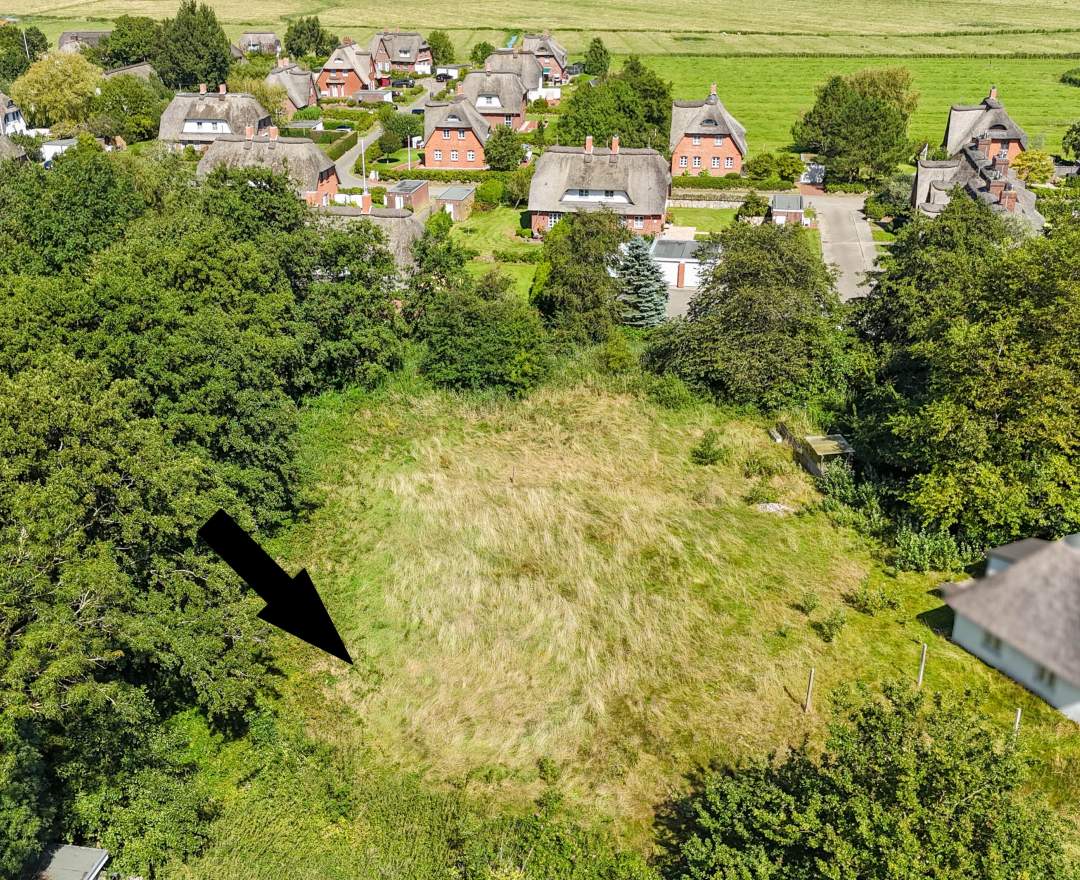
x=553, y=578
x=767, y=95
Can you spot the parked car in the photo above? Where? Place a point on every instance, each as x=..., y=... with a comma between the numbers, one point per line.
x=417, y=111
x=402, y=84
x=443, y=77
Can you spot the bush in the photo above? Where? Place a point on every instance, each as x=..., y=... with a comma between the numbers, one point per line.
x=808, y=603
x=842, y=186
x=685, y=181
x=870, y=600
x=1071, y=77
x=922, y=550
x=489, y=194
x=760, y=465
x=340, y=147
x=838, y=481
x=531, y=256
x=669, y=391
x=615, y=355
x=829, y=627
x=444, y=175
x=709, y=450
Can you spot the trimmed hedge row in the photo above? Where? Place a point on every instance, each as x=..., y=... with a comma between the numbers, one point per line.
x=320, y=137
x=841, y=187
x=340, y=147
x=685, y=181
x=531, y=256
x=444, y=176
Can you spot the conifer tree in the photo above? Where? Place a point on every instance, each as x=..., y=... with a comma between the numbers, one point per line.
x=642, y=285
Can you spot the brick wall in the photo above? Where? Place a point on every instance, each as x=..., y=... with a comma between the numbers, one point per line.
x=705, y=152
x=446, y=147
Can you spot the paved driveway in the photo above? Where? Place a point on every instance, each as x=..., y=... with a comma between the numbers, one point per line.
x=846, y=241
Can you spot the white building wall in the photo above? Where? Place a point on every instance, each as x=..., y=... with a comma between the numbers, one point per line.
x=1022, y=669
x=13, y=122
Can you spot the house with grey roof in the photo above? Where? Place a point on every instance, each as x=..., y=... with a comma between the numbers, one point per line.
x=454, y=134
x=552, y=55
x=11, y=117
x=400, y=51
x=9, y=150
x=301, y=88
x=401, y=228
x=69, y=862
x=309, y=168
x=633, y=183
x=348, y=70
x=787, y=209
x=1023, y=617
x=263, y=42
x=705, y=138
x=75, y=41
x=528, y=67
x=197, y=119
x=981, y=142
x=142, y=69
x=498, y=96
x=678, y=261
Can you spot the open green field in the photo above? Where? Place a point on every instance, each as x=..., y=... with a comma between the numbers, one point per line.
x=704, y=219
x=553, y=578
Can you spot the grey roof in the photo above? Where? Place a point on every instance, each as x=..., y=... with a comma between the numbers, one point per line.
x=297, y=81
x=507, y=87
x=1033, y=605
x=709, y=118
x=456, y=193
x=349, y=56
x=142, y=69
x=525, y=64
x=1018, y=550
x=6, y=103
x=403, y=47
x=675, y=249
x=266, y=41
x=72, y=863
x=72, y=40
x=239, y=109
x=968, y=121
x=642, y=174
x=9, y=149
x=400, y=227
x=786, y=202
x=300, y=158
x=458, y=112
x=407, y=187
x=544, y=44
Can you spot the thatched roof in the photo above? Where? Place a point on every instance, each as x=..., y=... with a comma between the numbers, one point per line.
x=72, y=41
x=403, y=47
x=297, y=81
x=10, y=150
x=348, y=57
x=968, y=121
x=238, y=109
x=506, y=89
x=266, y=42
x=400, y=227
x=143, y=70
x=455, y=113
x=544, y=44
x=1033, y=606
x=299, y=158
x=707, y=118
x=525, y=64
x=642, y=174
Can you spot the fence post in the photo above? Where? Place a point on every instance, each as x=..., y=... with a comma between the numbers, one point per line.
x=1016, y=723
x=809, y=691
x=922, y=664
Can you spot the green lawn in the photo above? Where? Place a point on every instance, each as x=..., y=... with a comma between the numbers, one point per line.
x=521, y=273
x=705, y=219
x=489, y=231
x=767, y=95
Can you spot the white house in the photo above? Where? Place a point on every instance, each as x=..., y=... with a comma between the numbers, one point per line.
x=11, y=118
x=1023, y=617
x=677, y=259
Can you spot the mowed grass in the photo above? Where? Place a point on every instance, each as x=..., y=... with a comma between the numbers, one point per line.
x=493, y=230
x=767, y=95
x=704, y=219
x=553, y=578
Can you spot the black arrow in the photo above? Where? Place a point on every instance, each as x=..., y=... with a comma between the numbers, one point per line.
x=292, y=604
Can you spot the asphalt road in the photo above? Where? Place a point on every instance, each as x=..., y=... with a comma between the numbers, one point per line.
x=846, y=241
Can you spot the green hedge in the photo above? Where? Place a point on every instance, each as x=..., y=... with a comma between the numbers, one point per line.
x=320, y=137
x=841, y=187
x=1071, y=77
x=685, y=181
x=530, y=256
x=447, y=176
x=340, y=147
x=341, y=111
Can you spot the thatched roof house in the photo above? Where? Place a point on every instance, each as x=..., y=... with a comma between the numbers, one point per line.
x=301, y=89
x=457, y=113
x=199, y=118
x=525, y=64
x=495, y=94
x=305, y=164
x=73, y=41
x=143, y=70
x=552, y=54
x=10, y=150
x=265, y=42
x=401, y=228
x=708, y=118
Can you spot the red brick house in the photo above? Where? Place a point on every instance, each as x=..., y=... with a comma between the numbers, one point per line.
x=454, y=134
x=306, y=165
x=405, y=52
x=705, y=138
x=552, y=56
x=348, y=70
x=299, y=83
x=981, y=141
x=499, y=97
x=632, y=183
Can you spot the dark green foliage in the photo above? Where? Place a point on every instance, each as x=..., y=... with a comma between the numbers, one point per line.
x=709, y=449
x=480, y=52
x=194, y=48
x=908, y=785
x=970, y=398
x=754, y=205
x=642, y=287
x=503, y=151
x=1070, y=141
x=892, y=199
x=634, y=104
x=489, y=194
x=830, y=625
x=763, y=328
x=574, y=288
x=442, y=48
x=128, y=106
x=484, y=338
x=18, y=50
x=134, y=38
x=597, y=58
x=687, y=181
x=1071, y=77
x=306, y=36
x=780, y=166
x=858, y=125
x=440, y=267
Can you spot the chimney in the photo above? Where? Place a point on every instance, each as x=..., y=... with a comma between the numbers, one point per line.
x=460, y=88
x=588, y=145
x=1008, y=199
x=487, y=67
x=365, y=203
x=1001, y=164
x=993, y=93
x=249, y=132
x=983, y=144
x=997, y=187
x=222, y=89
x=614, y=145
x=712, y=90
x=283, y=62
x=272, y=133
x=202, y=88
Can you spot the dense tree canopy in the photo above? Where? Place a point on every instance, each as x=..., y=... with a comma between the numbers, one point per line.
x=642, y=286
x=18, y=50
x=907, y=786
x=973, y=400
x=597, y=58
x=128, y=106
x=194, y=48
x=57, y=90
x=133, y=38
x=442, y=48
x=1070, y=141
x=306, y=36
x=763, y=327
x=503, y=149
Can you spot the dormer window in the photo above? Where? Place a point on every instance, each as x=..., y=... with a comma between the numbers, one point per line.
x=697, y=140
x=583, y=193
x=454, y=118
x=708, y=122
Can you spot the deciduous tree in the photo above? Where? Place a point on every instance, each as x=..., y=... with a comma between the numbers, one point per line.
x=1034, y=166
x=597, y=58
x=503, y=150
x=442, y=48
x=18, y=50
x=57, y=89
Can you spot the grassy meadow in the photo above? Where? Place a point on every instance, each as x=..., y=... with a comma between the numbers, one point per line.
x=552, y=578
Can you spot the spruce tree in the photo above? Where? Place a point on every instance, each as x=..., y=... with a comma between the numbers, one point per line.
x=643, y=288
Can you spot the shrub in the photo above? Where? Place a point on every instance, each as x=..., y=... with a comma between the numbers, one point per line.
x=870, y=600
x=838, y=482
x=842, y=186
x=709, y=450
x=758, y=464
x=1071, y=77
x=489, y=194
x=685, y=181
x=808, y=603
x=754, y=205
x=829, y=627
x=340, y=147
x=922, y=550
x=669, y=391
x=535, y=255
x=761, y=493
x=615, y=355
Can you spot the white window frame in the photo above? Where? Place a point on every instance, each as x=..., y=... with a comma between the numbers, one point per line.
x=446, y=134
x=639, y=222
x=438, y=155
x=683, y=161
x=715, y=161
x=697, y=161
x=718, y=140
x=453, y=155
x=729, y=162
x=461, y=134
x=471, y=155
x=696, y=140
